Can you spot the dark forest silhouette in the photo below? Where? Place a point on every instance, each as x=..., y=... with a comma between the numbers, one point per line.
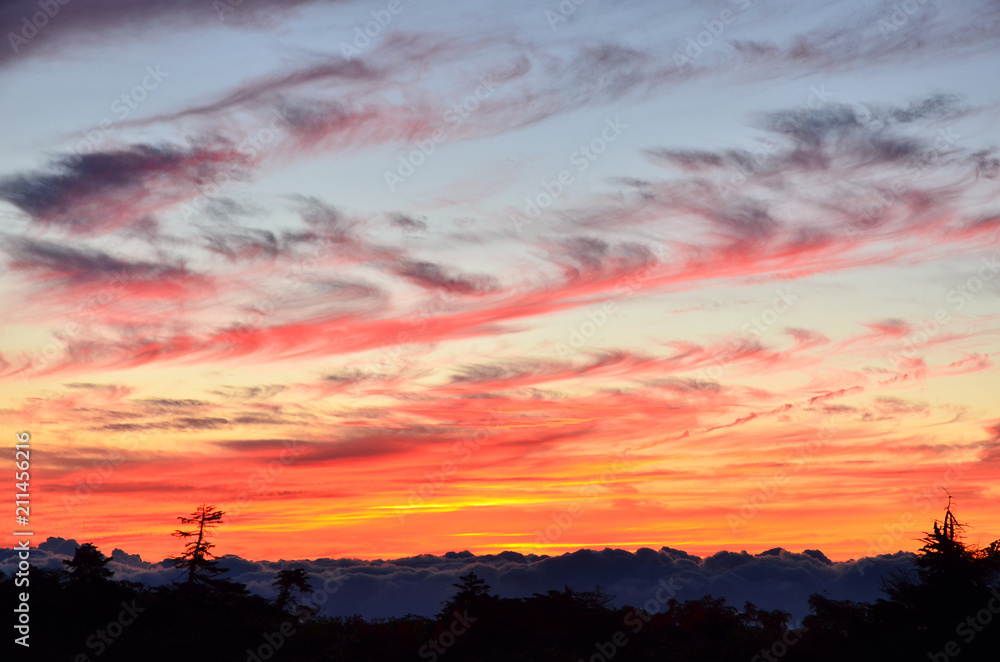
x=943, y=609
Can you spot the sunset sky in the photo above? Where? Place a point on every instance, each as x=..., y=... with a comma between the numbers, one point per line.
x=397, y=277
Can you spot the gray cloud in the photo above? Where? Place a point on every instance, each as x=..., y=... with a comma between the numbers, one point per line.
x=435, y=277
x=775, y=579
x=85, y=193
x=85, y=265
x=77, y=23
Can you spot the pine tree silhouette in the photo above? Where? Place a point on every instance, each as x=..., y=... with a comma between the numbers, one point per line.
x=88, y=566
x=288, y=580
x=197, y=559
x=473, y=595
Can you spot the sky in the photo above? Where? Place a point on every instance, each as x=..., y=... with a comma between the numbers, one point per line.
x=390, y=278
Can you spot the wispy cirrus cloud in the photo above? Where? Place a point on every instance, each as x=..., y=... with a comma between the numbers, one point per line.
x=98, y=192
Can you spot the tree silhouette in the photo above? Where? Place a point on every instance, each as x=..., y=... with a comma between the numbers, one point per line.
x=197, y=559
x=944, y=555
x=88, y=566
x=288, y=580
x=583, y=600
x=925, y=608
x=948, y=572
x=473, y=594
x=946, y=605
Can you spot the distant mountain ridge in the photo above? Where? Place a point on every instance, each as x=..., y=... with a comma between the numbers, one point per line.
x=773, y=579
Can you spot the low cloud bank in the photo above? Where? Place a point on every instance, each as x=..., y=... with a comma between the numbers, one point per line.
x=775, y=579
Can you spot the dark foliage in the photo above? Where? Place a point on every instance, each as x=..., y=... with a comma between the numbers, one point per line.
x=83, y=614
x=287, y=582
x=198, y=560
x=88, y=566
